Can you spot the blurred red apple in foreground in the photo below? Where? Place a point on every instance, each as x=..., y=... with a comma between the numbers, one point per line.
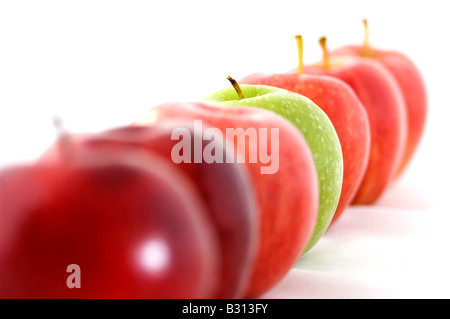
x=411, y=84
x=127, y=226
x=225, y=188
x=343, y=108
x=383, y=101
x=287, y=197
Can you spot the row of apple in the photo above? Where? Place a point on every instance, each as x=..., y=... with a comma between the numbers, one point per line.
x=173, y=207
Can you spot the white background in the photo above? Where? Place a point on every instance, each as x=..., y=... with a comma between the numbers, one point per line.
x=99, y=64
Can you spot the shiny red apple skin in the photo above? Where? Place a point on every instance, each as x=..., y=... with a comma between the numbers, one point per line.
x=383, y=101
x=346, y=113
x=287, y=200
x=224, y=187
x=413, y=87
x=133, y=229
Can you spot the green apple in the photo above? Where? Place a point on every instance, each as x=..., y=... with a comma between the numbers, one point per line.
x=315, y=126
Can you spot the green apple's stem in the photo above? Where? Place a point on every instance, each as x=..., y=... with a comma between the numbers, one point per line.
x=367, y=49
x=299, y=40
x=236, y=87
x=325, y=58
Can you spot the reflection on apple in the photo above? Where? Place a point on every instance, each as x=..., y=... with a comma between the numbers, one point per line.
x=132, y=224
x=287, y=199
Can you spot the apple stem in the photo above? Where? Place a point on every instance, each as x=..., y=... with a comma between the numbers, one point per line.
x=299, y=40
x=326, y=58
x=236, y=87
x=58, y=126
x=62, y=136
x=367, y=50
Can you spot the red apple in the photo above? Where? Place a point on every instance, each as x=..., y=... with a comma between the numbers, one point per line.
x=411, y=84
x=343, y=108
x=224, y=187
x=383, y=100
x=287, y=199
x=103, y=225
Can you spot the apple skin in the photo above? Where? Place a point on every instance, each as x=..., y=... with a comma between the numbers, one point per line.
x=381, y=97
x=412, y=85
x=346, y=113
x=225, y=188
x=110, y=215
x=287, y=200
x=318, y=131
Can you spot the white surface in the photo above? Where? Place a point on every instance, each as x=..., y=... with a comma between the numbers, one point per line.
x=395, y=249
x=99, y=64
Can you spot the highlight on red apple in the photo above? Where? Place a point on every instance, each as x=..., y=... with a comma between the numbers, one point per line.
x=103, y=224
x=224, y=188
x=287, y=200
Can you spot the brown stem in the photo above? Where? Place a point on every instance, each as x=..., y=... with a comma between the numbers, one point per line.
x=299, y=40
x=236, y=87
x=325, y=58
x=367, y=49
